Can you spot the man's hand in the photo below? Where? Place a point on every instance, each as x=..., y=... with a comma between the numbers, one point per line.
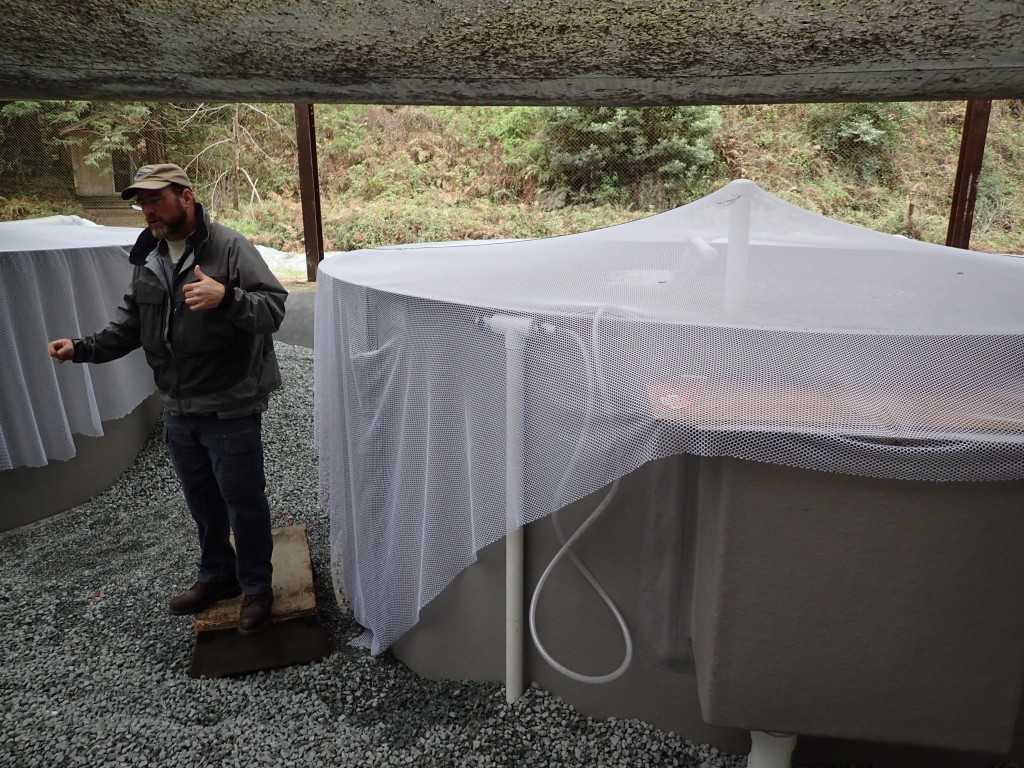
x=205, y=294
x=61, y=349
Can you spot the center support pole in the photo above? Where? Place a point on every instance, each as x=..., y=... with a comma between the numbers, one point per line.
x=738, y=249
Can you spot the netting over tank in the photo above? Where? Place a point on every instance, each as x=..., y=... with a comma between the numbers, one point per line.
x=738, y=325
x=61, y=276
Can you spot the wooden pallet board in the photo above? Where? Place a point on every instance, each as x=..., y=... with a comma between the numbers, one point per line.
x=294, y=634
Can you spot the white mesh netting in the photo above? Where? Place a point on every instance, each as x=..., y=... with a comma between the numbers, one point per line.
x=61, y=276
x=738, y=325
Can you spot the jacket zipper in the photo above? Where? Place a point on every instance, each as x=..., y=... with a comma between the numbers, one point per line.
x=179, y=308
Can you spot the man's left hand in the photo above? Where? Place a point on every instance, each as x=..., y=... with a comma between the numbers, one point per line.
x=207, y=293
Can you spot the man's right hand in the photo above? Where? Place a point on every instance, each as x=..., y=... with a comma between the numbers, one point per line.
x=61, y=349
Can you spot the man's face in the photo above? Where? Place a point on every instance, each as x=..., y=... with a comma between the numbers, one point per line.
x=165, y=213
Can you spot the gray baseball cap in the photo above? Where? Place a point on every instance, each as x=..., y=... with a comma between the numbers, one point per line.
x=156, y=177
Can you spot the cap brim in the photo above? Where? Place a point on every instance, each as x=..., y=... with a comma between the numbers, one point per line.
x=130, y=192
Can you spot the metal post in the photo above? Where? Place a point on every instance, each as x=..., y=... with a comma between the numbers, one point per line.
x=309, y=189
x=968, y=169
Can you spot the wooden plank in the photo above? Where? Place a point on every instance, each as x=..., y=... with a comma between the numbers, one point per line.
x=293, y=584
x=224, y=652
x=294, y=635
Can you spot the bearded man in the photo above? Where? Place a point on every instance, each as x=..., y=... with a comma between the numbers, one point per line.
x=203, y=305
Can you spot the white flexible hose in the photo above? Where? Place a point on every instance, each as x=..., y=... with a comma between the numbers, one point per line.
x=566, y=548
x=596, y=386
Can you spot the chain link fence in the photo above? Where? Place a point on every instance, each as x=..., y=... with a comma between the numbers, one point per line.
x=402, y=174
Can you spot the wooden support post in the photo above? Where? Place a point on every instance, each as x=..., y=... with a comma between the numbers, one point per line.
x=309, y=188
x=294, y=635
x=968, y=169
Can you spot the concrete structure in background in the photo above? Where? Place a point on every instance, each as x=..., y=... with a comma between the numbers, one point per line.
x=97, y=190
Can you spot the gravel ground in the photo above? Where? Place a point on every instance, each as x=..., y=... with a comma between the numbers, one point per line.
x=93, y=668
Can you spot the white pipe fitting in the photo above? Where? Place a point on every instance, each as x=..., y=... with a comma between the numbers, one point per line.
x=771, y=750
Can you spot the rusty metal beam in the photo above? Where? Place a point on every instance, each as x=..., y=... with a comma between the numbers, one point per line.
x=309, y=188
x=968, y=171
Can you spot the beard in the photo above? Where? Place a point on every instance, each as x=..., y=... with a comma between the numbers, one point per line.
x=170, y=226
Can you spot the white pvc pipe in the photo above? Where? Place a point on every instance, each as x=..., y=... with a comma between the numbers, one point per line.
x=771, y=750
x=515, y=331
x=738, y=249
x=514, y=614
x=704, y=248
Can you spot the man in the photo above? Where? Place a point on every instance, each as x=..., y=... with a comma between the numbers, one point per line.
x=203, y=305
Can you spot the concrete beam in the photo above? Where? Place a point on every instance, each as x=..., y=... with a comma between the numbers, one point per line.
x=628, y=52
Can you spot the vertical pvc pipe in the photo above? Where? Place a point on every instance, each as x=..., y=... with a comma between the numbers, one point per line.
x=515, y=343
x=515, y=330
x=770, y=750
x=738, y=247
x=514, y=615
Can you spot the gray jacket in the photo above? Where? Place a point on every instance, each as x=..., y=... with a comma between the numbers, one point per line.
x=216, y=361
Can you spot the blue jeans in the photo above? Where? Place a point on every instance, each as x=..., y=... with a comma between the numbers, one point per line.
x=219, y=463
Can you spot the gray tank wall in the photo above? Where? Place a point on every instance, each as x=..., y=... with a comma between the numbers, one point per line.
x=857, y=607
x=849, y=617
x=31, y=494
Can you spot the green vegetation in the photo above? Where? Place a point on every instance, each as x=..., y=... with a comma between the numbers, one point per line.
x=648, y=157
x=864, y=139
x=392, y=174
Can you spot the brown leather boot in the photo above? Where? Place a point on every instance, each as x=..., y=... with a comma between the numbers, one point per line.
x=255, y=612
x=202, y=595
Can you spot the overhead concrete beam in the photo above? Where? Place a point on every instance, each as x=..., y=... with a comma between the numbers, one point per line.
x=628, y=52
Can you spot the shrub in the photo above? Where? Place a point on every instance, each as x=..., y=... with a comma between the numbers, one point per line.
x=862, y=138
x=607, y=154
x=27, y=207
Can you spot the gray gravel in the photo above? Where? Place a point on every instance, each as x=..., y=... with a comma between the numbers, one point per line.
x=93, y=669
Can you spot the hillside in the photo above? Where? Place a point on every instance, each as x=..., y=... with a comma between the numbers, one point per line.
x=404, y=174
x=393, y=174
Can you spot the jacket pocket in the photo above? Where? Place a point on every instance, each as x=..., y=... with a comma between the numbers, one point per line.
x=151, y=302
x=201, y=332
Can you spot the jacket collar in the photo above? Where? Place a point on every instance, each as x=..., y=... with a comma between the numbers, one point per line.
x=146, y=243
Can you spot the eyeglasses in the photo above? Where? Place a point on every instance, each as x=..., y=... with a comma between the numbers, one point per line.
x=139, y=204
